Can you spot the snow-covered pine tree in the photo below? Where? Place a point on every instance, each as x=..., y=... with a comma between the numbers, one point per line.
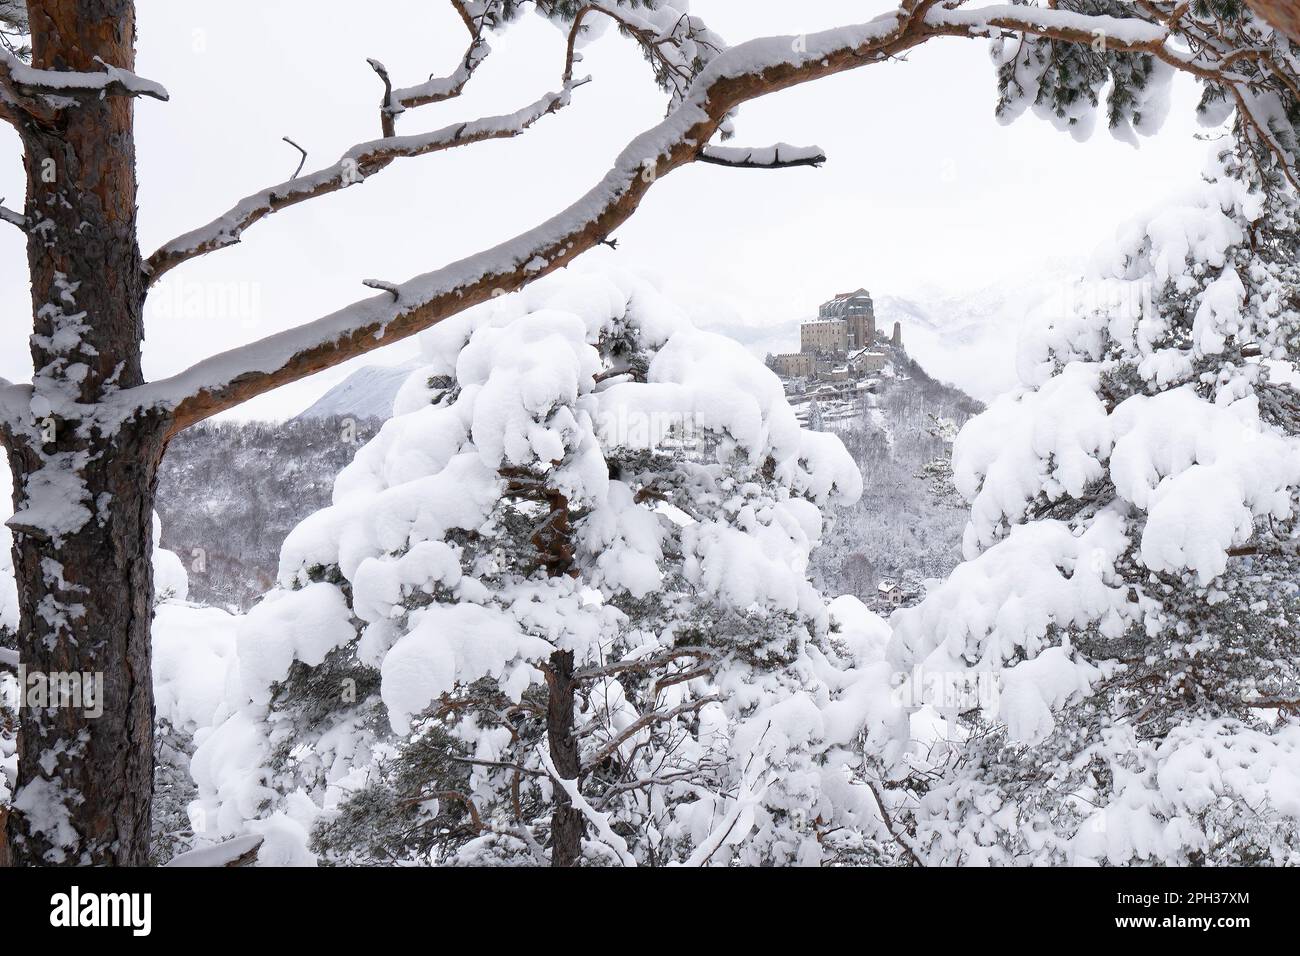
x=815, y=415
x=559, y=613
x=86, y=433
x=1117, y=656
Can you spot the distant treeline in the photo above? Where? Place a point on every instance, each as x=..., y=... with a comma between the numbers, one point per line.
x=229, y=493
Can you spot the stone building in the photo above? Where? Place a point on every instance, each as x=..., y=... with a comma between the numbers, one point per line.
x=795, y=364
x=840, y=343
x=823, y=335
x=857, y=312
x=844, y=324
x=866, y=360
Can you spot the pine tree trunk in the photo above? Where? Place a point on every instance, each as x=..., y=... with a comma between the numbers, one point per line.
x=84, y=484
x=86, y=602
x=567, y=825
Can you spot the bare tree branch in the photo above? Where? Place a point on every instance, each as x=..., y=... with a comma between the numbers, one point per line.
x=30, y=82
x=302, y=161
x=441, y=89
x=640, y=664
x=889, y=827
x=357, y=164
x=640, y=724
x=735, y=76
x=11, y=217
x=780, y=156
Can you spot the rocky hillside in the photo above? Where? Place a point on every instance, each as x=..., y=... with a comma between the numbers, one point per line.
x=908, y=525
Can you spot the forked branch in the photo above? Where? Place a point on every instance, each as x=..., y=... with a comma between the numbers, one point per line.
x=356, y=165
x=732, y=78
x=365, y=159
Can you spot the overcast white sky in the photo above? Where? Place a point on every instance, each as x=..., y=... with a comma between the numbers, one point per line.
x=923, y=187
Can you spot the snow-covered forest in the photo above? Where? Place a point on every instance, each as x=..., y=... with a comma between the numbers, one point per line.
x=566, y=575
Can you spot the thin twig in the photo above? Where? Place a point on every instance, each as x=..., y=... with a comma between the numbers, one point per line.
x=302, y=162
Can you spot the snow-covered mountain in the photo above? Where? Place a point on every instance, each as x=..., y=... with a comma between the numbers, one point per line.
x=967, y=340
x=366, y=393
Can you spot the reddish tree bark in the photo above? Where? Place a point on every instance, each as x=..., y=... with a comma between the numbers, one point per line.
x=1283, y=15
x=85, y=593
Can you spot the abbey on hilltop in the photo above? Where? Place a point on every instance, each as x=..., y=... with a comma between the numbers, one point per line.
x=840, y=344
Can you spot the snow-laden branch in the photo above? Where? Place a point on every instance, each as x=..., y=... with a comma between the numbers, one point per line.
x=677, y=44
x=13, y=218
x=365, y=159
x=739, y=816
x=14, y=107
x=438, y=89
x=237, y=851
x=1119, y=32
x=780, y=156
x=354, y=166
x=733, y=77
x=739, y=74
x=113, y=81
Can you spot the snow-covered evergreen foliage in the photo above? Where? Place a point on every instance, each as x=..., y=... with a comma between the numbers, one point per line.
x=564, y=586
x=1065, y=82
x=1116, y=657
x=15, y=27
